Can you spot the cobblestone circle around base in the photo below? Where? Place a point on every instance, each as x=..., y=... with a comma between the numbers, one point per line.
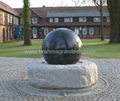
x=14, y=69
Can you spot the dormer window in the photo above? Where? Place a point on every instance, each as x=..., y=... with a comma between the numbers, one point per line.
x=68, y=19
x=34, y=20
x=97, y=19
x=56, y=20
x=50, y=19
x=82, y=19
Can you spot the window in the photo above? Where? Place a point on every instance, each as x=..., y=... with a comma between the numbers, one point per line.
x=83, y=19
x=11, y=19
x=89, y=19
x=75, y=19
x=16, y=20
x=84, y=31
x=21, y=21
x=8, y=18
x=104, y=19
x=1, y=32
x=45, y=31
x=91, y=31
x=3, y=18
x=108, y=19
x=34, y=31
x=97, y=30
x=61, y=19
x=80, y=32
x=34, y=20
x=77, y=31
x=56, y=20
x=68, y=19
x=11, y=33
x=50, y=19
x=96, y=19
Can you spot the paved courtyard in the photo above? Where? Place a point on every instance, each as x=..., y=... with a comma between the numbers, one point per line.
x=13, y=70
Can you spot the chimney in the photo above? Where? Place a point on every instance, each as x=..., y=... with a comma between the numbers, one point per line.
x=43, y=6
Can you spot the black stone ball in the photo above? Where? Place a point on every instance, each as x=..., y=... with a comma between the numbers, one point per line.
x=61, y=46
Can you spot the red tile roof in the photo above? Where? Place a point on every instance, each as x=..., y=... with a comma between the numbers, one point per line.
x=7, y=8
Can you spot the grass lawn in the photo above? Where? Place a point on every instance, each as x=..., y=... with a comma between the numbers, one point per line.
x=91, y=48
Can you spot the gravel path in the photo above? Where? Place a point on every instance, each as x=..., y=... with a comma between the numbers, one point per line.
x=14, y=69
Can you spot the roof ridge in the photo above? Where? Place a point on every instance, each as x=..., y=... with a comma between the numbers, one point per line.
x=7, y=8
x=35, y=12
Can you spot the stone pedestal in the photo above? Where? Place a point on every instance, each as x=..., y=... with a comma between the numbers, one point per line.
x=79, y=75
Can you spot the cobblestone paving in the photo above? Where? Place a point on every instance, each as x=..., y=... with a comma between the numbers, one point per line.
x=14, y=69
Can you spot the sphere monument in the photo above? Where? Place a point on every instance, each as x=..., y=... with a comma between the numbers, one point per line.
x=62, y=46
x=63, y=68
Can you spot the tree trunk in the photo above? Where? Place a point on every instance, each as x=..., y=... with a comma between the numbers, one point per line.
x=26, y=22
x=27, y=39
x=114, y=10
x=101, y=21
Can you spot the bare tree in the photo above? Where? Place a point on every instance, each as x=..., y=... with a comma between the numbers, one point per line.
x=62, y=2
x=114, y=9
x=77, y=2
x=99, y=4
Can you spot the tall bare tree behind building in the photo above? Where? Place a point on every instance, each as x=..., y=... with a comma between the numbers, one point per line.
x=77, y=2
x=99, y=4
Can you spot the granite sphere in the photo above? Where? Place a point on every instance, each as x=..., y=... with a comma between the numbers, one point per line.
x=62, y=46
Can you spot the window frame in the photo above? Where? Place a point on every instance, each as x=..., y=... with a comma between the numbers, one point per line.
x=34, y=20
x=82, y=19
x=96, y=19
x=68, y=19
x=56, y=19
x=91, y=31
x=51, y=20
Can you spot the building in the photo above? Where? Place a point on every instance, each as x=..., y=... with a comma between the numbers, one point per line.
x=85, y=21
x=8, y=22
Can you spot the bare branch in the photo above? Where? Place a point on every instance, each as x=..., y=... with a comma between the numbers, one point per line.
x=77, y=2
x=96, y=2
x=62, y=2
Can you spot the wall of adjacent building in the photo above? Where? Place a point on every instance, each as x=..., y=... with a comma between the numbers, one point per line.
x=1, y=25
x=8, y=22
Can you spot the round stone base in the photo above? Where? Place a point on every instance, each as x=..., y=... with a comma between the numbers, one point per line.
x=80, y=75
x=24, y=86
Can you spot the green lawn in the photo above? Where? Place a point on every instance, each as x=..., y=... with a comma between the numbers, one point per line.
x=91, y=48
x=100, y=49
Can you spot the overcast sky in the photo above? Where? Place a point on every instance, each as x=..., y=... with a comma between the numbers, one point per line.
x=39, y=3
